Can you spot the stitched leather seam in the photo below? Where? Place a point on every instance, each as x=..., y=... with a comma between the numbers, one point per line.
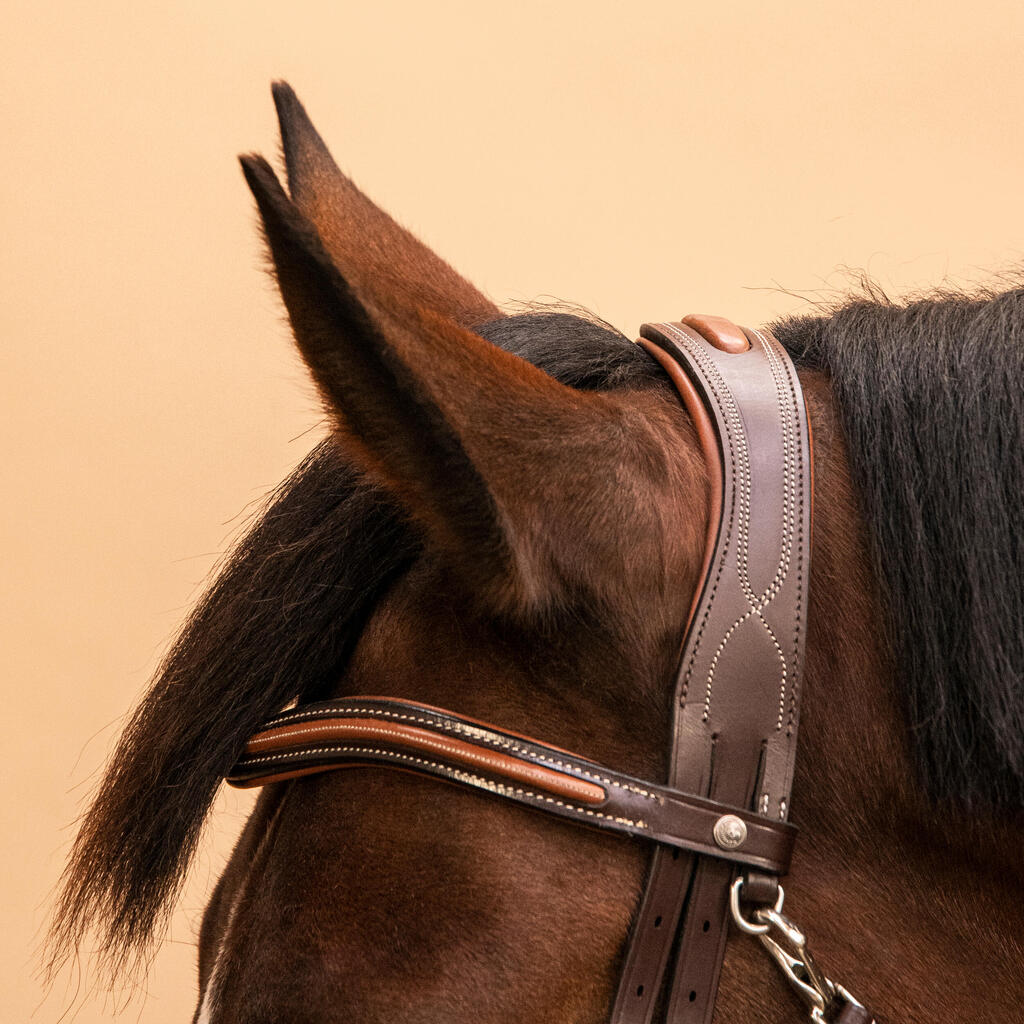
x=734, y=420
x=779, y=368
x=684, y=341
x=788, y=414
x=467, y=777
x=776, y=356
x=787, y=369
x=757, y=603
x=800, y=586
x=475, y=732
x=439, y=743
x=743, y=527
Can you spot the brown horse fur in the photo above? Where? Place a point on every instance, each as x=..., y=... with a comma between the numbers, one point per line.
x=536, y=548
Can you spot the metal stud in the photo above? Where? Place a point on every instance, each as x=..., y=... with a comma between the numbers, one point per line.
x=730, y=832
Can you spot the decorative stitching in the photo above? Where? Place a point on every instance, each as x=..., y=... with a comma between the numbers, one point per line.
x=438, y=742
x=771, y=349
x=800, y=585
x=467, y=777
x=777, y=356
x=740, y=460
x=788, y=414
x=484, y=736
x=698, y=356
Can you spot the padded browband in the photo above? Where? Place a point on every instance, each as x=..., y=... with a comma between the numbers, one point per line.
x=417, y=737
x=735, y=702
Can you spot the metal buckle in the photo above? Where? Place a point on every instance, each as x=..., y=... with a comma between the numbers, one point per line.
x=822, y=996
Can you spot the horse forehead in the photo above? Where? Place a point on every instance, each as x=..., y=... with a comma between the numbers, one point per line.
x=578, y=686
x=419, y=629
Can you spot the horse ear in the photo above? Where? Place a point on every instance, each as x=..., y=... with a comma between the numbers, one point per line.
x=375, y=254
x=497, y=461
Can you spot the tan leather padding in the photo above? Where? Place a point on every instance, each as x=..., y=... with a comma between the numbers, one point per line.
x=286, y=774
x=490, y=726
x=709, y=449
x=352, y=731
x=409, y=737
x=717, y=331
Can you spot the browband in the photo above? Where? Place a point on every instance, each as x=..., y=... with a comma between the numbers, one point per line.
x=428, y=740
x=735, y=706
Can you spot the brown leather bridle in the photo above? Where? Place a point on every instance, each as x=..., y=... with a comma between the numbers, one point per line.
x=719, y=824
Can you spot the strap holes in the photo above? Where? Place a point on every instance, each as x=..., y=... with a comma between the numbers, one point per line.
x=693, y=997
x=657, y=921
x=639, y=990
x=707, y=926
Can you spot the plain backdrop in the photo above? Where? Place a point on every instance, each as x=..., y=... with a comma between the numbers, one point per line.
x=645, y=159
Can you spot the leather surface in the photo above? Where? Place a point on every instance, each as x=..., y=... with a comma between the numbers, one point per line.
x=705, y=428
x=740, y=673
x=736, y=700
x=416, y=737
x=852, y=1013
x=760, y=889
x=355, y=731
x=718, y=332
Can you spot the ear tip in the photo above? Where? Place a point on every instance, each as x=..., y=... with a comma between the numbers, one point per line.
x=303, y=147
x=254, y=166
x=261, y=179
x=285, y=100
x=292, y=118
x=280, y=89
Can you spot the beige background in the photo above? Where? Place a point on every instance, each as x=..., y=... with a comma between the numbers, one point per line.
x=645, y=160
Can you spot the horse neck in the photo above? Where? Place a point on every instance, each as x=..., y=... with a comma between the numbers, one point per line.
x=893, y=891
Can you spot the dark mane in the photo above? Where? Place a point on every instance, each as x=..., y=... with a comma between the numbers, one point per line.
x=931, y=394
x=277, y=625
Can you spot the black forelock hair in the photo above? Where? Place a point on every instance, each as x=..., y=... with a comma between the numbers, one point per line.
x=576, y=349
x=931, y=396
x=276, y=626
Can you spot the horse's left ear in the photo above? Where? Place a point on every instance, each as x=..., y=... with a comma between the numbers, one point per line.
x=524, y=484
x=377, y=256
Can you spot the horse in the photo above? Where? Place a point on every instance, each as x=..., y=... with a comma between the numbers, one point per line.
x=508, y=518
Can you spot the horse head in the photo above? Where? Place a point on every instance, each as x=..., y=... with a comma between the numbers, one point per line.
x=508, y=518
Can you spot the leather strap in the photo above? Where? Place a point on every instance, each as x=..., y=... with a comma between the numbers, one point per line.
x=854, y=1013
x=431, y=741
x=736, y=703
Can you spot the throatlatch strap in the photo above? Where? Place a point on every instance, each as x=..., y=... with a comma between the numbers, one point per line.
x=737, y=695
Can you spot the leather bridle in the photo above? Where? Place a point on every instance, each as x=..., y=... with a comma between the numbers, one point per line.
x=721, y=838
